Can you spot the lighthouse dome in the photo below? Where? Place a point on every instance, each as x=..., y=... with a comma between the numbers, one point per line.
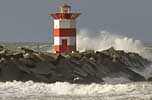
x=65, y=8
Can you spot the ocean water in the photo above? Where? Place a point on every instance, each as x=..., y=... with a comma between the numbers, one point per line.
x=66, y=91
x=113, y=88
x=37, y=46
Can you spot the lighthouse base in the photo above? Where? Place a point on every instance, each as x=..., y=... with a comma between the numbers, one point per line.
x=64, y=49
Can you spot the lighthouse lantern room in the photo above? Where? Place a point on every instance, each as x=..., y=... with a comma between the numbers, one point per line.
x=65, y=30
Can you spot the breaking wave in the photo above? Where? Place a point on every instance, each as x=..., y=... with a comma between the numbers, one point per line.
x=33, y=90
x=104, y=40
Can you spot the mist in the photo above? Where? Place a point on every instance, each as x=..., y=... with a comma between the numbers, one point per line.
x=102, y=40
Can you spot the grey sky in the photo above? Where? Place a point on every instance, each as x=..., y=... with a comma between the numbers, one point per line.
x=28, y=20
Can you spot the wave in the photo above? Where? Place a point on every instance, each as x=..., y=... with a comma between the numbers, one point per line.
x=104, y=40
x=35, y=90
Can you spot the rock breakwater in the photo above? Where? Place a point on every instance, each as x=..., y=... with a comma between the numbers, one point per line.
x=84, y=67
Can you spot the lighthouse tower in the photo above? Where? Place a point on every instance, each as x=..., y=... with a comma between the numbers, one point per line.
x=65, y=30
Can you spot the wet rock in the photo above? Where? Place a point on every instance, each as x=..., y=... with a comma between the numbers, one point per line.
x=36, y=57
x=88, y=53
x=18, y=55
x=33, y=56
x=150, y=79
x=80, y=72
x=60, y=57
x=23, y=68
x=1, y=47
x=76, y=62
x=133, y=75
x=9, y=71
x=27, y=62
x=3, y=53
x=29, y=76
x=26, y=50
x=2, y=60
x=43, y=68
x=42, y=78
x=84, y=67
x=27, y=56
x=88, y=68
x=76, y=55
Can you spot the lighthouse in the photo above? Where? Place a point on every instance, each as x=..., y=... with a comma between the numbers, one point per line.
x=65, y=30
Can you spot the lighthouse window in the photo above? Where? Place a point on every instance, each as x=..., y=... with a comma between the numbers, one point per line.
x=65, y=9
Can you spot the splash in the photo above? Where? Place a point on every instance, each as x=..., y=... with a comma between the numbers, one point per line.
x=104, y=40
x=66, y=91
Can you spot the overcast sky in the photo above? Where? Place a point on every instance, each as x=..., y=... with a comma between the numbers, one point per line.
x=28, y=20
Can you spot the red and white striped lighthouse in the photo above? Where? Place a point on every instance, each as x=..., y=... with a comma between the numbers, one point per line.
x=65, y=30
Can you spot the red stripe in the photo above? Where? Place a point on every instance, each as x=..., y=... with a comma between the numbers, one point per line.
x=65, y=32
x=57, y=48
x=61, y=49
x=65, y=15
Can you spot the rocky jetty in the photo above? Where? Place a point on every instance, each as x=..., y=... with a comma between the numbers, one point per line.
x=85, y=67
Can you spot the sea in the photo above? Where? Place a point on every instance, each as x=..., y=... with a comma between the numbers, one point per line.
x=112, y=89
x=66, y=91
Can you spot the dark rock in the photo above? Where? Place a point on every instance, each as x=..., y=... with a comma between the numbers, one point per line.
x=1, y=47
x=27, y=56
x=2, y=60
x=88, y=53
x=76, y=62
x=86, y=67
x=30, y=76
x=26, y=50
x=80, y=72
x=49, y=56
x=60, y=57
x=24, y=68
x=133, y=75
x=76, y=55
x=18, y=55
x=42, y=78
x=3, y=53
x=27, y=62
x=150, y=79
x=9, y=71
x=36, y=57
x=43, y=68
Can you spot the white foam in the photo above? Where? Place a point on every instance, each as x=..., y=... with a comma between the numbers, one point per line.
x=104, y=40
x=37, y=90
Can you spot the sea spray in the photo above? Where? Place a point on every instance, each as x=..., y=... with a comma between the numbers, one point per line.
x=104, y=40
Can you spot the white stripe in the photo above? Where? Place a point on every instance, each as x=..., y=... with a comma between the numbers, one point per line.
x=70, y=40
x=64, y=24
